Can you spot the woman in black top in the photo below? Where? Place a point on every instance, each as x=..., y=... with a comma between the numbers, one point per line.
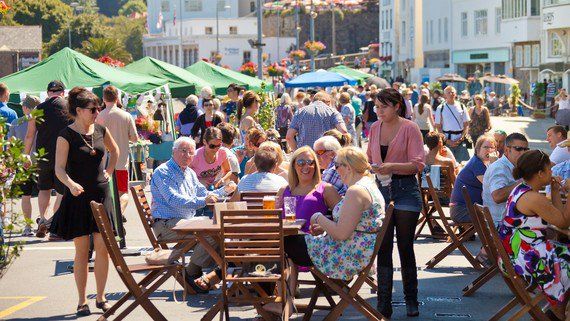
x=208, y=119
x=80, y=166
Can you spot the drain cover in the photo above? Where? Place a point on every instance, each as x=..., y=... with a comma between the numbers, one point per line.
x=403, y=303
x=453, y=315
x=443, y=299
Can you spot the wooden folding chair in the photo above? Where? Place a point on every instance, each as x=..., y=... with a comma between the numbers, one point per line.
x=256, y=197
x=478, y=222
x=428, y=207
x=157, y=274
x=349, y=293
x=145, y=214
x=523, y=292
x=456, y=240
x=252, y=237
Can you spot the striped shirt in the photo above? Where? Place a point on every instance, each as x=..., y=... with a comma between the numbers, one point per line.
x=312, y=121
x=261, y=182
x=177, y=193
x=331, y=176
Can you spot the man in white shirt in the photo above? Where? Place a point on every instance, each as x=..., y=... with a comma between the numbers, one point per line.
x=121, y=125
x=452, y=119
x=556, y=135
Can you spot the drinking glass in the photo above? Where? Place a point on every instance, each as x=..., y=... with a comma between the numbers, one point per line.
x=290, y=205
x=268, y=202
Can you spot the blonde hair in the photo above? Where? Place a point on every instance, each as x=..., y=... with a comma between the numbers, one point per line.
x=269, y=145
x=355, y=158
x=293, y=178
x=322, y=96
x=344, y=98
x=482, y=139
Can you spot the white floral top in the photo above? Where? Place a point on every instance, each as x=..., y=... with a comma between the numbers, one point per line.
x=344, y=259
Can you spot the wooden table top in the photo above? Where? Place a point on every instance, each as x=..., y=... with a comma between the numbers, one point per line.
x=206, y=225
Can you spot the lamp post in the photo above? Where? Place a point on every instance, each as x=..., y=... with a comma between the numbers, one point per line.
x=218, y=25
x=259, y=41
x=312, y=26
x=297, y=32
x=73, y=6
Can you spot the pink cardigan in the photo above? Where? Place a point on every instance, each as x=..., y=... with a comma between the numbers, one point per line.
x=407, y=146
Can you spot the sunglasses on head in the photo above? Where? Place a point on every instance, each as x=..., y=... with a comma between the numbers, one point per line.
x=92, y=109
x=214, y=146
x=519, y=148
x=302, y=162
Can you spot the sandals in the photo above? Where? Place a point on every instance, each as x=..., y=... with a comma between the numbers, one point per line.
x=204, y=280
x=191, y=282
x=83, y=310
x=103, y=305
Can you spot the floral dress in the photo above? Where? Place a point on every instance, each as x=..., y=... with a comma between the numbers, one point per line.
x=539, y=261
x=344, y=259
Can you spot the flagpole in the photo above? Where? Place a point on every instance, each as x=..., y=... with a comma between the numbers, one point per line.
x=180, y=56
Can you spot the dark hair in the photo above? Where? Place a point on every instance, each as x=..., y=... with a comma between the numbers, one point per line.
x=559, y=129
x=515, y=136
x=265, y=159
x=393, y=97
x=248, y=99
x=229, y=133
x=234, y=87
x=205, y=100
x=530, y=163
x=80, y=97
x=432, y=139
x=424, y=99
x=110, y=94
x=3, y=89
x=254, y=135
x=438, y=92
x=212, y=133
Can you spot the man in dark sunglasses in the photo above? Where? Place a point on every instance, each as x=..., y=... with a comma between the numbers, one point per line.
x=498, y=181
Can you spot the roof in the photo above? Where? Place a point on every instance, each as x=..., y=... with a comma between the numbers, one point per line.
x=11, y=38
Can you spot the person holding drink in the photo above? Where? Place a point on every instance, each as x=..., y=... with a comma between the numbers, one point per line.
x=396, y=152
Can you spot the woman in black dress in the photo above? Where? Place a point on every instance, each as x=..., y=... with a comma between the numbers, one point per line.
x=80, y=165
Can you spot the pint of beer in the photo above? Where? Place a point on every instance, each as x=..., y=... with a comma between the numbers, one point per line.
x=268, y=202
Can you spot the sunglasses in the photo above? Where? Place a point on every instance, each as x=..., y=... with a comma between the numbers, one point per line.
x=337, y=165
x=257, y=144
x=213, y=146
x=303, y=162
x=519, y=148
x=321, y=152
x=208, y=105
x=92, y=109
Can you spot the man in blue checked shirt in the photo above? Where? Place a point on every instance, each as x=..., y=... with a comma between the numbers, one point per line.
x=326, y=148
x=176, y=195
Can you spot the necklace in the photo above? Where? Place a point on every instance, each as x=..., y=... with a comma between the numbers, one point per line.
x=92, y=152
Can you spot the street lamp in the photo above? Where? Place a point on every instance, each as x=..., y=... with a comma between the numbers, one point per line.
x=74, y=6
x=218, y=25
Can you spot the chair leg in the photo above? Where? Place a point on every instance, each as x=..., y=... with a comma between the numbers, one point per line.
x=480, y=280
x=505, y=309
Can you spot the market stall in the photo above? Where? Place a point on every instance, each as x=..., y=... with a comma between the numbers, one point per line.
x=320, y=78
x=360, y=76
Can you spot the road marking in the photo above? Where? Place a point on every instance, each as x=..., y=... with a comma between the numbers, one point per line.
x=29, y=301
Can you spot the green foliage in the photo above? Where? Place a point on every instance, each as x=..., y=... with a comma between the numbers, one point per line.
x=83, y=27
x=267, y=105
x=50, y=14
x=15, y=169
x=132, y=6
x=129, y=32
x=99, y=47
x=435, y=85
x=515, y=96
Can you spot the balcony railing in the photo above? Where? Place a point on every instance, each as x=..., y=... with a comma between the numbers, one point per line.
x=555, y=2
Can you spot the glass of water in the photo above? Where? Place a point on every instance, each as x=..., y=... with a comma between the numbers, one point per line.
x=290, y=206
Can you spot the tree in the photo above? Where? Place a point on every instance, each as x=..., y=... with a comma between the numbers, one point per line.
x=109, y=8
x=132, y=6
x=99, y=47
x=83, y=27
x=130, y=32
x=50, y=14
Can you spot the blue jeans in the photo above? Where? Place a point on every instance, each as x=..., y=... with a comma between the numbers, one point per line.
x=404, y=192
x=460, y=152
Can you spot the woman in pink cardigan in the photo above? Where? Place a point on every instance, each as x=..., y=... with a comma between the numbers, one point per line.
x=396, y=152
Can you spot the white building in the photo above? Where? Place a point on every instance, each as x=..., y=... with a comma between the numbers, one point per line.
x=401, y=38
x=436, y=39
x=188, y=35
x=555, y=42
x=478, y=45
x=522, y=27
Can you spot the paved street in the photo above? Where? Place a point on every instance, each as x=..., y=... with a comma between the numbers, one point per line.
x=39, y=287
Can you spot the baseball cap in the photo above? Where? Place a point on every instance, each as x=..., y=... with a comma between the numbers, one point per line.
x=31, y=102
x=55, y=85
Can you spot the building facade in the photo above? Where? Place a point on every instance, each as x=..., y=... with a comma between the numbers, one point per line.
x=16, y=54
x=182, y=37
x=437, y=39
x=555, y=42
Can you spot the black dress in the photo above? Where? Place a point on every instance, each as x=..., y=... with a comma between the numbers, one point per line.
x=74, y=217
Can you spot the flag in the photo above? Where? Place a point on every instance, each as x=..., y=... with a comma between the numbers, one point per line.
x=159, y=21
x=174, y=19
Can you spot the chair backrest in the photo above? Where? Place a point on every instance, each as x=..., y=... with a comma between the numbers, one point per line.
x=445, y=183
x=252, y=236
x=106, y=231
x=478, y=223
x=380, y=235
x=437, y=205
x=143, y=208
x=254, y=196
x=218, y=207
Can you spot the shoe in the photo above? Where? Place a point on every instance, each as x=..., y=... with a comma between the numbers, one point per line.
x=42, y=228
x=385, y=280
x=27, y=231
x=412, y=309
x=410, y=282
x=190, y=283
x=103, y=305
x=54, y=237
x=83, y=311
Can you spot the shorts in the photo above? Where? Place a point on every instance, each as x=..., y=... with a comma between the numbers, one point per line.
x=27, y=187
x=122, y=176
x=405, y=193
x=295, y=247
x=47, y=179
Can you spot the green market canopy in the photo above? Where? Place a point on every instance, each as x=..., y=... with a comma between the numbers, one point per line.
x=352, y=73
x=181, y=82
x=221, y=77
x=75, y=69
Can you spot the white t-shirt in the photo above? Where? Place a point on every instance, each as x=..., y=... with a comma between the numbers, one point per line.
x=447, y=112
x=233, y=160
x=559, y=154
x=564, y=104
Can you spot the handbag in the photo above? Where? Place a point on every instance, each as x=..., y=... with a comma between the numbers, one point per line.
x=160, y=257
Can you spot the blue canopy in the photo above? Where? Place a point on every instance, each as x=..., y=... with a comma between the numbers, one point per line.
x=320, y=78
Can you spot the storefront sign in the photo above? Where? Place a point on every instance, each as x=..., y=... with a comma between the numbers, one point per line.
x=231, y=51
x=479, y=56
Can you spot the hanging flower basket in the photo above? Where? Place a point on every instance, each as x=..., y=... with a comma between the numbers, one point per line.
x=297, y=54
x=314, y=47
x=373, y=61
x=4, y=7
x=111, y=62
x=249, y=68
x=274, y=70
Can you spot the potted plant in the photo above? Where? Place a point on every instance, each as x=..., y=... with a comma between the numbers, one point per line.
x=297, y=54
x=274, y=70
x=314, y=47
x=249, y=68
x=514, y=98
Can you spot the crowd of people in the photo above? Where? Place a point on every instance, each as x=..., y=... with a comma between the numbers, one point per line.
x=342, y=154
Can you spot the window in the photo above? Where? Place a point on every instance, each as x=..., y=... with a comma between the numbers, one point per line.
x=165, y=6
x=427, y=32
x=445, y=30
x=382, y=20
x=555, y=45
x=233, y=30
x=498, y=19
x=527, y=55
x=221, y=5
x=193, y=5
x=535, y=55
x=209, y=30
x=518, y=56
x=535, y=7
x=480, y=22
x=439, y=30
x=246, y=56
x=390, y=19
x=464, y=24
x=431, y=31
x=403, y=33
